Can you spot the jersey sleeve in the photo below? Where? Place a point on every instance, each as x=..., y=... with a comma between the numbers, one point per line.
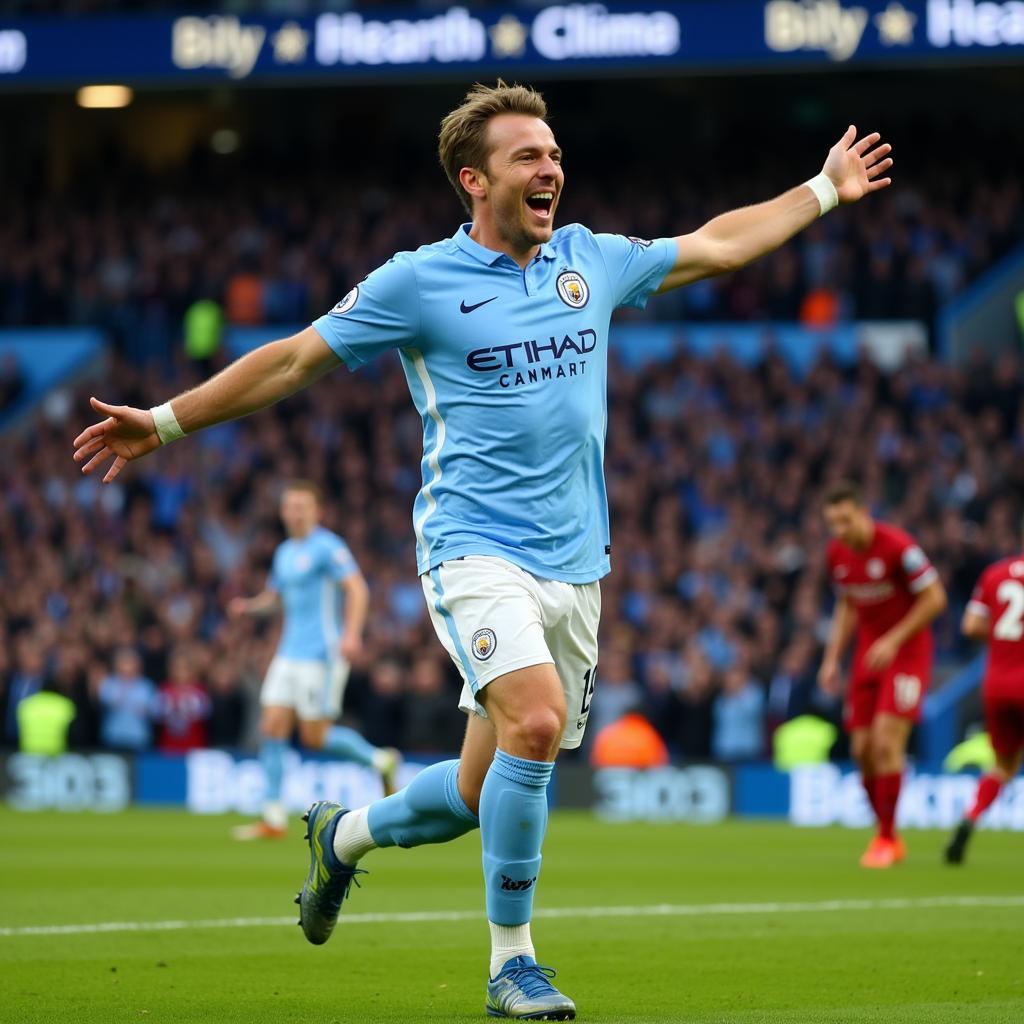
x=274, y=576
x=636, y=266
x=917, y=570
x=380, y=313
x=338, y=560
x=979, y=603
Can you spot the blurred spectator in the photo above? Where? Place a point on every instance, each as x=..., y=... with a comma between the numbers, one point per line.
x=615, y=693
x=183, y=708
x=129, y=704
x=43, y=722
x=228, y=707
x=693, y=735
x=26, y=679
x=432, y=723
x=12, y=380
x=738, y=717
x=382, y=711
x=629, y=742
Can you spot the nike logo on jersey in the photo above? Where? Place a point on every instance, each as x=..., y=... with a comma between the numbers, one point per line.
x=476, y=305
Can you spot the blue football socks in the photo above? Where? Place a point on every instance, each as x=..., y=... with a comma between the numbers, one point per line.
x=272, y=753
x=348, y=744
x=513, y=817
x=429, y=810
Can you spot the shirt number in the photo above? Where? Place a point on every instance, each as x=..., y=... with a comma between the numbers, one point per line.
x=1011, y=623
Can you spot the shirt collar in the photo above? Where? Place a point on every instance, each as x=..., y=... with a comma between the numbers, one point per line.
x=470, y=245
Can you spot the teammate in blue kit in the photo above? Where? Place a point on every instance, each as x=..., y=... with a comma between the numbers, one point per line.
x=502, y=331
x=312, y=573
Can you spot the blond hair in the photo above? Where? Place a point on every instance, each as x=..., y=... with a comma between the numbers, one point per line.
x=462, y=141
x=304, y=487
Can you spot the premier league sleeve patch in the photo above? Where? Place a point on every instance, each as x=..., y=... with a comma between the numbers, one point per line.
x=572, y=289
x=346, y=303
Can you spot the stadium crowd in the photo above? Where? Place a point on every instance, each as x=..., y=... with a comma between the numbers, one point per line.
x=714, y=614
x=135, y=257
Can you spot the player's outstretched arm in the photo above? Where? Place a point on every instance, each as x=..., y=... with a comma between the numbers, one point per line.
x=853, y=169
x=260, y=378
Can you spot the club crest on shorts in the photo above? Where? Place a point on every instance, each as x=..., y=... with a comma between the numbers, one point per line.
x=346, y=303
x=572, y=289
x=484, y=643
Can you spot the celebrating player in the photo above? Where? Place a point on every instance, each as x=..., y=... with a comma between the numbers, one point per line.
x=888, y=593
x=503, y=334
x=306, y=680
x=996, y=613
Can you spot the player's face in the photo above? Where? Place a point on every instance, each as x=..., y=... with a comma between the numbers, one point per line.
x=523, y=179
x=845, y=521
x=300, y=512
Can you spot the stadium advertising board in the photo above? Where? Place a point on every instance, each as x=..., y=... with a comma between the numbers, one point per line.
x=551, y=39
x=825, y=795
x=69, y=782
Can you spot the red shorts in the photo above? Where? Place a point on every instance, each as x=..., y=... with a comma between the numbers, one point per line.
x=1004, y=719
x=896, y=690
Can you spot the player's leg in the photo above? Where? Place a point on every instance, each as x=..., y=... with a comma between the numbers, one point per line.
x=277, y=720
x=318, y=704
x=860, y=751
x=887, y=744
x=1005, y=723
x=440, y=804
x=528, y=710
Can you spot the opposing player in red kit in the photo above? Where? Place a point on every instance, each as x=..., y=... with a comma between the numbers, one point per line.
x=996, y=613
x=887, y=594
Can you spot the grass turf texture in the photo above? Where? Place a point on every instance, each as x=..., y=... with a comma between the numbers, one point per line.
x=929, y=964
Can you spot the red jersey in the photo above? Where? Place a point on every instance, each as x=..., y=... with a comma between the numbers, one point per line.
x=882, y=581
x=184, y=708
x=999, y=598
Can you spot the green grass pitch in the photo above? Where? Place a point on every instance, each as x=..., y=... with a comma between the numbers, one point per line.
x=758, y=927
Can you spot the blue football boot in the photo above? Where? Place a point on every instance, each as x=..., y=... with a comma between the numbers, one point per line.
x=522, y=990
x=328, y=881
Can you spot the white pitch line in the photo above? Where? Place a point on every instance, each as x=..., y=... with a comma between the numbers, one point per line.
x=439, y=916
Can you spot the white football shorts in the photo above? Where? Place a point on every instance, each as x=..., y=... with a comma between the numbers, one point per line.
x=493, y=618
x=315, y=689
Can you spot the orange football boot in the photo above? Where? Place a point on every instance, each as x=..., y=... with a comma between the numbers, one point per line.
x=881, y=853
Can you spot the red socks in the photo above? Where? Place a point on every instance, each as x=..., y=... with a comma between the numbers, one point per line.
x=886, y=795
x=988, y=790
x=868, y=782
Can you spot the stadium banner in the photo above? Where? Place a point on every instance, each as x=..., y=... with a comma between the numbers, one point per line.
x=220, y=782
x=67, y=782
x=557, y=38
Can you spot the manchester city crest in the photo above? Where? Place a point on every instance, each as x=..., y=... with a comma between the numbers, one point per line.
x=346, y=303
x=572, y=289
x=484, y=643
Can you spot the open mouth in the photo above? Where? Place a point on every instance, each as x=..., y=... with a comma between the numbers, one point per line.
x=541, y=203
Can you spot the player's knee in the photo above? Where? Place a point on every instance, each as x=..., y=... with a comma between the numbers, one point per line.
x=536, y=734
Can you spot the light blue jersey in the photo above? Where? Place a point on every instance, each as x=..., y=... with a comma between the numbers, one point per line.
x=306, y=572
x=508, y=369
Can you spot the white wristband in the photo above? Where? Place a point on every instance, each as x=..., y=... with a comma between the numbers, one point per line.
x=166, y=423
x=821, y=185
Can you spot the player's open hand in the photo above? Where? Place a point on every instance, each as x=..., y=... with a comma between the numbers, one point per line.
x=881, y=653
x=124, y=434
x=855, y=167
